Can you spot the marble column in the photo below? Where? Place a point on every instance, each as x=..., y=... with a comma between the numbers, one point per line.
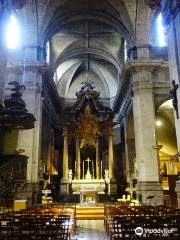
x=65, y=155
x=97, y=160
x=144, y=125
x=78, y=160
x=111, y=157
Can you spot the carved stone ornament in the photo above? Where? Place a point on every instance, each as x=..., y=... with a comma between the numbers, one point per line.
x=14, y=115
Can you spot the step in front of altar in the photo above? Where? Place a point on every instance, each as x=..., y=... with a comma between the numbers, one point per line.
x=89, y=213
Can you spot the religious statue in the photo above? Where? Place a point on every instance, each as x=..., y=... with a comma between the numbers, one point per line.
x=87, y=86
x=173, y=93
x=70, y=175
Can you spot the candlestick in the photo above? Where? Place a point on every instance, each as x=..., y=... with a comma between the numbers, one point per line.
x=101, y=169
x=93, y=168
x=83, y=170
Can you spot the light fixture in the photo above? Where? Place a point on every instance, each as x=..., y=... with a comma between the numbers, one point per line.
x=158, y=123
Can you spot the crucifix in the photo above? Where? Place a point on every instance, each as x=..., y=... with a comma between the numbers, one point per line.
x=88, y=161
x=173, y=93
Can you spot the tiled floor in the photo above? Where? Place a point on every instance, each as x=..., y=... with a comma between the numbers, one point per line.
x=90, y=230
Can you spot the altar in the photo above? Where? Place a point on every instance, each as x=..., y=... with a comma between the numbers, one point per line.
x=88, y=147
x=88, y=190
x=96, y=185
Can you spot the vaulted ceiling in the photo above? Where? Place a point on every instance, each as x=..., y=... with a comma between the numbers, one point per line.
x=86, y=39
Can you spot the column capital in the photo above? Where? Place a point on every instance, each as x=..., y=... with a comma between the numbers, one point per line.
x=142, y=85
x=20, y=66
x=135, y=66
x=170, y=9
x=65, y=132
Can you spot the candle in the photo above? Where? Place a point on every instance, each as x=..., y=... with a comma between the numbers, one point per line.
x=83, y=169
x=101, y=169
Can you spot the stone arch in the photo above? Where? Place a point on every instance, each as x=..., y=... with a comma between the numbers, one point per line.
x=55, y=19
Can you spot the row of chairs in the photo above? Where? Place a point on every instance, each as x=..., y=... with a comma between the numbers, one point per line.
x=37, y=224
x=126, y=222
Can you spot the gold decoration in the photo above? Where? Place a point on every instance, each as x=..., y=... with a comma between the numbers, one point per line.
x=87, y=128
x=52, y=170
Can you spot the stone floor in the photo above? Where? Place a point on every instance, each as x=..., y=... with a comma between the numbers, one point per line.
x=90, y=230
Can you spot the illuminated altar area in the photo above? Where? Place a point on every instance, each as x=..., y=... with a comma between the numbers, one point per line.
x=87, y=187
x=89, y=124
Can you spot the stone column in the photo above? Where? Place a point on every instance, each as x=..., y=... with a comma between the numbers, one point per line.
x=143, y=32
x=144, y=125
x=97, y=160
x=30, y=140
x=65, y=155
x=3, y=56
x=78, y=160
x=126, y=143
x=111, y=157
x=171, y=15
x=32, y=69
x=129, y=150
x=3, y=74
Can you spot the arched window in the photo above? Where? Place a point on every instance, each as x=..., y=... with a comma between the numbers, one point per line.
x=161, y=37
x=12, y=35
x=47, y=53
x=125, y=51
